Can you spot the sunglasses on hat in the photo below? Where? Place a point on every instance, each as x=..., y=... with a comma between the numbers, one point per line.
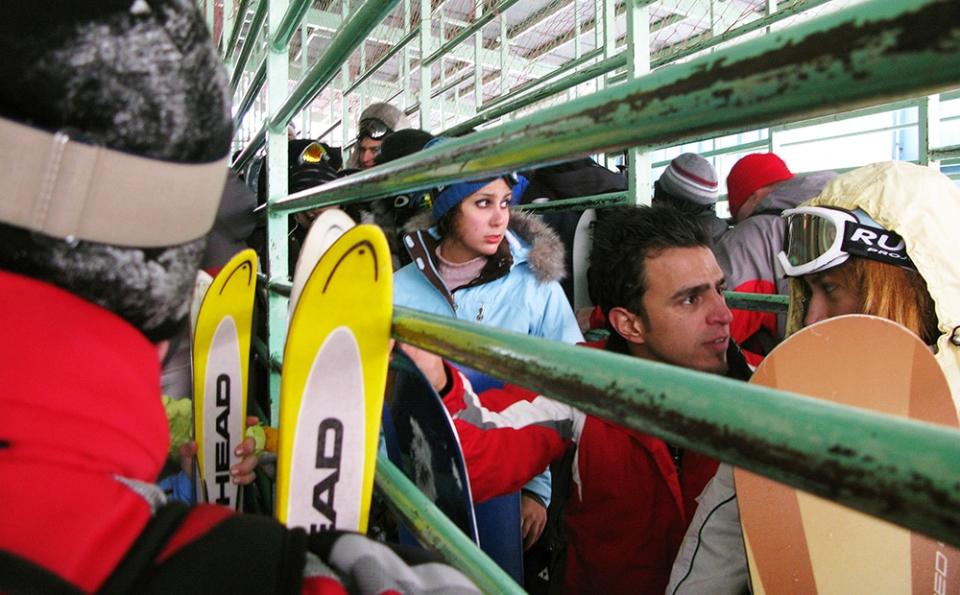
x=374, y=128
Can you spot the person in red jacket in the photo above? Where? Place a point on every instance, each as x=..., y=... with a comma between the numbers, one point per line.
x=632, y=497
x=759, y=188
x=114, y=134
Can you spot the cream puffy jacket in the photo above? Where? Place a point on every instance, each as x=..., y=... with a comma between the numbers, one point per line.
x=923, y=206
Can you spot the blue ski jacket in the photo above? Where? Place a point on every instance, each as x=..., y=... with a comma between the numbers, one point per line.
x=518, y=291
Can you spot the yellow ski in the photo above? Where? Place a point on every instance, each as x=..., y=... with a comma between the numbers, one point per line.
x=221, y=348
x=331, y=392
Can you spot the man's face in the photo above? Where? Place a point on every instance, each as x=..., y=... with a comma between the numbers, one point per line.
x=369, y=149
x=687, y=320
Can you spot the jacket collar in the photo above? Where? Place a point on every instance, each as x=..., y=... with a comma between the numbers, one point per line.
x=422, y=247
x=530, y=239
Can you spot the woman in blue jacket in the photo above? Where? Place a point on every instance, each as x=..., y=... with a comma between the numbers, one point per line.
x=480, y=262
x=472, y=259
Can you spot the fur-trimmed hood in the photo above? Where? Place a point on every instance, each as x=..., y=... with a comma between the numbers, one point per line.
x=532, y=241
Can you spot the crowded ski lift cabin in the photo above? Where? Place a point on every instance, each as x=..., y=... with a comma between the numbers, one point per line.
x=301, y=233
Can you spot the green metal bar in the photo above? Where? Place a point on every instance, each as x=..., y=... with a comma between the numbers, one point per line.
x=347, y=38
x=945, y=152
x=519, y=89
x=467, y=75
x=950, y=95
x=426, y=80
x=279, y=285
x=278, y=76
x=228, y=24
x=259, y=78
x=288, y=25
x=235, y=32
x=878, y=109
x=757, y=144
x=597, y=201
x=464, y=77
x=437, y=532
x=589, y=73
x=897, y=469
x=757, y=301
x=860, y=56
x=467, y=32
x=252, y=34
x=619, y=61
x=667, y=54
x=255, y=144
x=383, y=59
x=892, y=128
x=261, y=348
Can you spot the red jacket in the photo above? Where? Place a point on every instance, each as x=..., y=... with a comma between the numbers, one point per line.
x=82, y=437
x=628, y=509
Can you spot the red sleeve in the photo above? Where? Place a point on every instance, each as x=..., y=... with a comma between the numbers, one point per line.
x=747, y=322
x=501, y=460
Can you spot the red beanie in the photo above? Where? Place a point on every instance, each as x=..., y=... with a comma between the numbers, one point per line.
x=752, y=173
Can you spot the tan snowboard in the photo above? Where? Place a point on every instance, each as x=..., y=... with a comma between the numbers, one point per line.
x=799, y=543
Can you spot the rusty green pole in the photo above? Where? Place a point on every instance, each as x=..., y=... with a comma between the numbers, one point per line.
x=757, y=301
x=253, y=33
x=280, y=39
x=865, y=55
x=610, y=199
x=231, y=44
x=904, y=471
x=259, y=78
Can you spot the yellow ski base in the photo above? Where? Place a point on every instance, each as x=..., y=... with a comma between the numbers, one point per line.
x=331, y=391
x=221, y=348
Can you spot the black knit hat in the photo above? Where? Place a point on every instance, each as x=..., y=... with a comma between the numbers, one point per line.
x=402, y=143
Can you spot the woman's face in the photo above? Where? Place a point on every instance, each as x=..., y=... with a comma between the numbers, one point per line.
x=831, y=294
x=480, y=223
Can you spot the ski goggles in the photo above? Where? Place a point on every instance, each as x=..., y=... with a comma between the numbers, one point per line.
x=374, y=128
x=313, y=153
x=820, y=238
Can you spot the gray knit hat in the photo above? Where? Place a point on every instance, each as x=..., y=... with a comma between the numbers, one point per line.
x=691, y=177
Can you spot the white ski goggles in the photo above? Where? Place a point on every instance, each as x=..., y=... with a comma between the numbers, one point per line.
x=820, y=238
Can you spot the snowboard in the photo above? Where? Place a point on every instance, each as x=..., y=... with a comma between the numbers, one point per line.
x=331, y=390
x=427, y=446
x=799, y=543
x=582, y=244
x=325, y=230
x=220, y=358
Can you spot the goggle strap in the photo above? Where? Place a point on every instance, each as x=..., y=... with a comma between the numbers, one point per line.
x=876, y=244
x=63, y=188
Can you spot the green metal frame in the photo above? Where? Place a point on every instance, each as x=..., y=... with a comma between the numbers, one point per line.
x=769, y=80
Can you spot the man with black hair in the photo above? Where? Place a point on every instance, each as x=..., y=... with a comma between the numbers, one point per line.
x=113, y=146
x=659, y=285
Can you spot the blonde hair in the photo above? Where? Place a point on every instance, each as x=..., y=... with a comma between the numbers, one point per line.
x=885, y=290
